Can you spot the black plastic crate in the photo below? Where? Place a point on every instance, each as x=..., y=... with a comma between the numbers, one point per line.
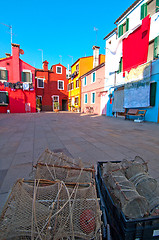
x=121, y=227
x=105, y=227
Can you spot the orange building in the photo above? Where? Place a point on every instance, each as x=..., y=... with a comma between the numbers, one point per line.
x=79, y=68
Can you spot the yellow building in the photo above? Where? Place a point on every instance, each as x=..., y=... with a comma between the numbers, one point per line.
x=79, y=68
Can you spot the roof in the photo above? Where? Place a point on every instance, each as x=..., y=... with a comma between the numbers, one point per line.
x=79, y=59
x=110, y=33
x=93, y=69
x=127, y=10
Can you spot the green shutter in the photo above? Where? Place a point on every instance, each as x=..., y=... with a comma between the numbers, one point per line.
x=153, y=93
x=85, y=98
x=121, y=65
x=145, y=10
x=143, y=13
x=7, y=98
x=127, y=24
x=120, y=30
x=6, y=75
x=23, y=76
x=156, y=47
x=157, y=5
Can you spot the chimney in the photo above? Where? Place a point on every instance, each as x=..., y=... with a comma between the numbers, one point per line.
x=95, y=56
x=15, y=62
x=7, y=55
x=45, y=65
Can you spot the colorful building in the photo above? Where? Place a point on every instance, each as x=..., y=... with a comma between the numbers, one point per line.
x=132, y=52
x=78, y=69
x=17, y=84
x=93, y=92
x=51, y=87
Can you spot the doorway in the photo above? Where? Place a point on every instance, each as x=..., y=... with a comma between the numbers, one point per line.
x=64, y=105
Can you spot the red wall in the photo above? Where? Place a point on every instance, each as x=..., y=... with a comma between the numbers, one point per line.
x=17, y=97
x=51, y=86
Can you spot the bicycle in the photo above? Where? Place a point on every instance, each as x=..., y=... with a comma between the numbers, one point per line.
x=89, y=110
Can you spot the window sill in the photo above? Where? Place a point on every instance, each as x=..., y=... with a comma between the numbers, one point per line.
x=4, y=104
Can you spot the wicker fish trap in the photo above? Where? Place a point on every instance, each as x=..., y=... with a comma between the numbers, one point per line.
x=64, y=173
x=42, y=210
x=60, y=159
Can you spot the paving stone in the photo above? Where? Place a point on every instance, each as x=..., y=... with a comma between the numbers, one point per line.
x=13, y=174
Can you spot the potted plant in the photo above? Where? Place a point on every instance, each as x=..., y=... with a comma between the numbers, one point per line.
x=56, y=106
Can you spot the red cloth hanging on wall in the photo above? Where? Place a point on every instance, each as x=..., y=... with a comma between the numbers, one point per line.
x=135, y=47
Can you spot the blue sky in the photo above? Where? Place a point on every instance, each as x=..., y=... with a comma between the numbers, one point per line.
x=59, y=28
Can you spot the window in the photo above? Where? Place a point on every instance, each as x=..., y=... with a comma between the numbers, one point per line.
x=85, y=98
x=157, y=5
x=60, y=85
x=93, y=97
x=76, y=100
x=69, y=87
x=150, y=51
x=85, y=81
x=40, y=83
x=27, y=76
x=58, y=70
x=123, y=28
x=77, y=83
x=3, y=75
x=72, y=86
x=77, y=67
x=151, y=7
x=156, y=47
x=143, y=12
x=120, y=65
x=153, y=93
x=93, y=77
x=4, y=100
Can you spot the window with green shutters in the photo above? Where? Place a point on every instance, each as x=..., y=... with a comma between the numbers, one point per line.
x=4, y=99
x=153, y=93
x=93, y=97
x=120, y=30
x=85, y=98
x=94, y=77
x=85, y=81
x=26, y=77
x=143, y=13
x=156, y=47
x=4, y=75
x=120, y=65
x=157, y=5
x=127, y=24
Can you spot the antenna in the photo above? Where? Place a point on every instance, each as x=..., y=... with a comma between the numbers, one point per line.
x=96, y=29
x=11, y=34
x=60, y=59
x=71, y=57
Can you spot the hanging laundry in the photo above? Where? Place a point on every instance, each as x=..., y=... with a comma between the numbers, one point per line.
x=31, y=86
x=135, y=47
x=25, y=86
x=154, y=29
x=6, y=84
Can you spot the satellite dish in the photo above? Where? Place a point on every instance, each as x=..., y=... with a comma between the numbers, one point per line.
x=21, y=51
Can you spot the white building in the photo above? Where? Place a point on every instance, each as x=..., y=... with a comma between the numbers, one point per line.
x=131, y=49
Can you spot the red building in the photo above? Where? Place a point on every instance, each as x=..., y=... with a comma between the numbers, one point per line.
x=17, y=84
x=51, y=87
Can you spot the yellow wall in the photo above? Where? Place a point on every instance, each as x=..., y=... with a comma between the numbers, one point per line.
x=85, y=65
